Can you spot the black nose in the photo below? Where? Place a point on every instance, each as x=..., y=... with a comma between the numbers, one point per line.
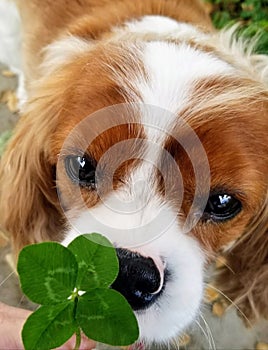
x=138, y=280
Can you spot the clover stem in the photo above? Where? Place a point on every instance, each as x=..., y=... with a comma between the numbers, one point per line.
x=78, y=339
x=78, y=331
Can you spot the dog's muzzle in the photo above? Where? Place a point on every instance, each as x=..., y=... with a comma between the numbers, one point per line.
x=139, y=279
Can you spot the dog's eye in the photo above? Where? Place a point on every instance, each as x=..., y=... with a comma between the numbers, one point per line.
x=81, y=170
x=222, y=207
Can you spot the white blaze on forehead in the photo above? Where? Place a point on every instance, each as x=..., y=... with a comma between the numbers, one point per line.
x=155, y=24
x=169, y=70
x=172, y=71
x=162, y=25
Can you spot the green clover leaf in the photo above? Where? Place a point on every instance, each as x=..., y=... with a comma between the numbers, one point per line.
x=48, y=272
x=97, y=261
x=73, y=286
x=105, y=316
x=49, y=326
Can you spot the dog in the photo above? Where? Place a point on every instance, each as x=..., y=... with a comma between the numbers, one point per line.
x=145, y=124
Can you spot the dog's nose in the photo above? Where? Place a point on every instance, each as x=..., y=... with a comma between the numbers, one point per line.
x=139, y=279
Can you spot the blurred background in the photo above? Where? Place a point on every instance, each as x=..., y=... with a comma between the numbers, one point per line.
x=252, y=14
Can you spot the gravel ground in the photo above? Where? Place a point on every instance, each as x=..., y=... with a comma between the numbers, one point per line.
x=9, y=287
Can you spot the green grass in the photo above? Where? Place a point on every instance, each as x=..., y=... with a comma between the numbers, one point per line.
x=4, y=137
x=252, y=14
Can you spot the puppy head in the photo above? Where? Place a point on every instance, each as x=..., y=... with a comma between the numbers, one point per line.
x=174, y=172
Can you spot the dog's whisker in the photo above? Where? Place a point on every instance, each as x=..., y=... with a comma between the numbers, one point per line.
x=213, y=256
x=114, y=140
x=174, y=343
x=228, y=267
x=232, y=304
x=5, y=279
x=202, y=330
x=209, y=332
x=206, y=335
x=168, y=346
x=223, y=262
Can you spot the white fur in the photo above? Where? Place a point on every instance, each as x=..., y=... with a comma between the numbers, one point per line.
x=173, y=69
x=131, y=216
x=62, y=51
x=155, y=24
x=171, y=72
x=240, y=49
x=160, y=25
x=179, y=304
x=135, y=216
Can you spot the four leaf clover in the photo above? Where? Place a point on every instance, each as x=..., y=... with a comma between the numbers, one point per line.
x=73, y=287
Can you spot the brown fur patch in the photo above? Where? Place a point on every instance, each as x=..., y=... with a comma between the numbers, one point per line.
x=236, y=152
x=91, y=19
x=228, y=115
x=58, y=104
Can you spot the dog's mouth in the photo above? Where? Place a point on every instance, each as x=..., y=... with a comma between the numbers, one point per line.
x=141, y=279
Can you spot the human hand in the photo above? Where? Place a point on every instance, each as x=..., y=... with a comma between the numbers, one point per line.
x=11, y=323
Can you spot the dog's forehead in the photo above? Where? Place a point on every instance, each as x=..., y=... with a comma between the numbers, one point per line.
x=172, y=69
x=159, y=75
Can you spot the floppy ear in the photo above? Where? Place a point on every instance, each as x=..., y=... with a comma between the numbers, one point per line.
x=29, y=206
x=245, y=281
